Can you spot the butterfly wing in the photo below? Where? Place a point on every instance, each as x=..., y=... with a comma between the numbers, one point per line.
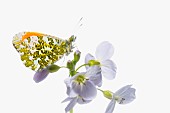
x=39, y=50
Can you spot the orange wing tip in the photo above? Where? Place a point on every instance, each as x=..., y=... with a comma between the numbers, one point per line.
x=28, y=34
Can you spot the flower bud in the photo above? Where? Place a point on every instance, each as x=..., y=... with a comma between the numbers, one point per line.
x=70, y=65
x=108, y=94
x=77, y=56
x=40, y=75
x=53, y=68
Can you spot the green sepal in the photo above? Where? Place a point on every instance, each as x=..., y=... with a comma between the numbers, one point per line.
x=108, y=94
x=53, y=68
x=93, y=62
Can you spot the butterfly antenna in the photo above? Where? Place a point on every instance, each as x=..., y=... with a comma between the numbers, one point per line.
x=77, y=26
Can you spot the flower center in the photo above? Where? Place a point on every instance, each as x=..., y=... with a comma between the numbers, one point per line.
x=80, y=79
x=119, y=99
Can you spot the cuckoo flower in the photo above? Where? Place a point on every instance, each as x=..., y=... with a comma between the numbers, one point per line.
x=124, y=95
x=84, y=83
x=81, y=88
x=104, y=52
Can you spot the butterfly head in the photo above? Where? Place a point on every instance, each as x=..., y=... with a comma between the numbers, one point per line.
x=72, y=38
x=70, y=44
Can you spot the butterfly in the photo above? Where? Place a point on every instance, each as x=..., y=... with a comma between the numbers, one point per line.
x=38, y=50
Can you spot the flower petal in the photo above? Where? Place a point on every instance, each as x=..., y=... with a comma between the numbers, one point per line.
x=104, y=51
x=87, y=58
x=92, y=71
x=108, y=69
x=96, y=79
x=122, y=90
x=100, y=84
x=129, y=97
x=69, y=91
x=71, y=104
x=127, y=94
x=40, y=75
x=67, y=99
x=87, y=90
x=111, y=106
x=83, y=101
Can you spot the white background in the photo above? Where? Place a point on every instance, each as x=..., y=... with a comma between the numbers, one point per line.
x=138, y=29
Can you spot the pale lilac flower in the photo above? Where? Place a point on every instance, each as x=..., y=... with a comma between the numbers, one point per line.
x=104, y=52
x=40, y=75
x=81, y=88
x=84, y=83
x=124, y=95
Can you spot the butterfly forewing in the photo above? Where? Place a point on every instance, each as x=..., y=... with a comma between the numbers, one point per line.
x=39, y=50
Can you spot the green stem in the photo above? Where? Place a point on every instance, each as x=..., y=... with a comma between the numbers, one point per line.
x=81, y=66
x=100, y=90
x=71, y=111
